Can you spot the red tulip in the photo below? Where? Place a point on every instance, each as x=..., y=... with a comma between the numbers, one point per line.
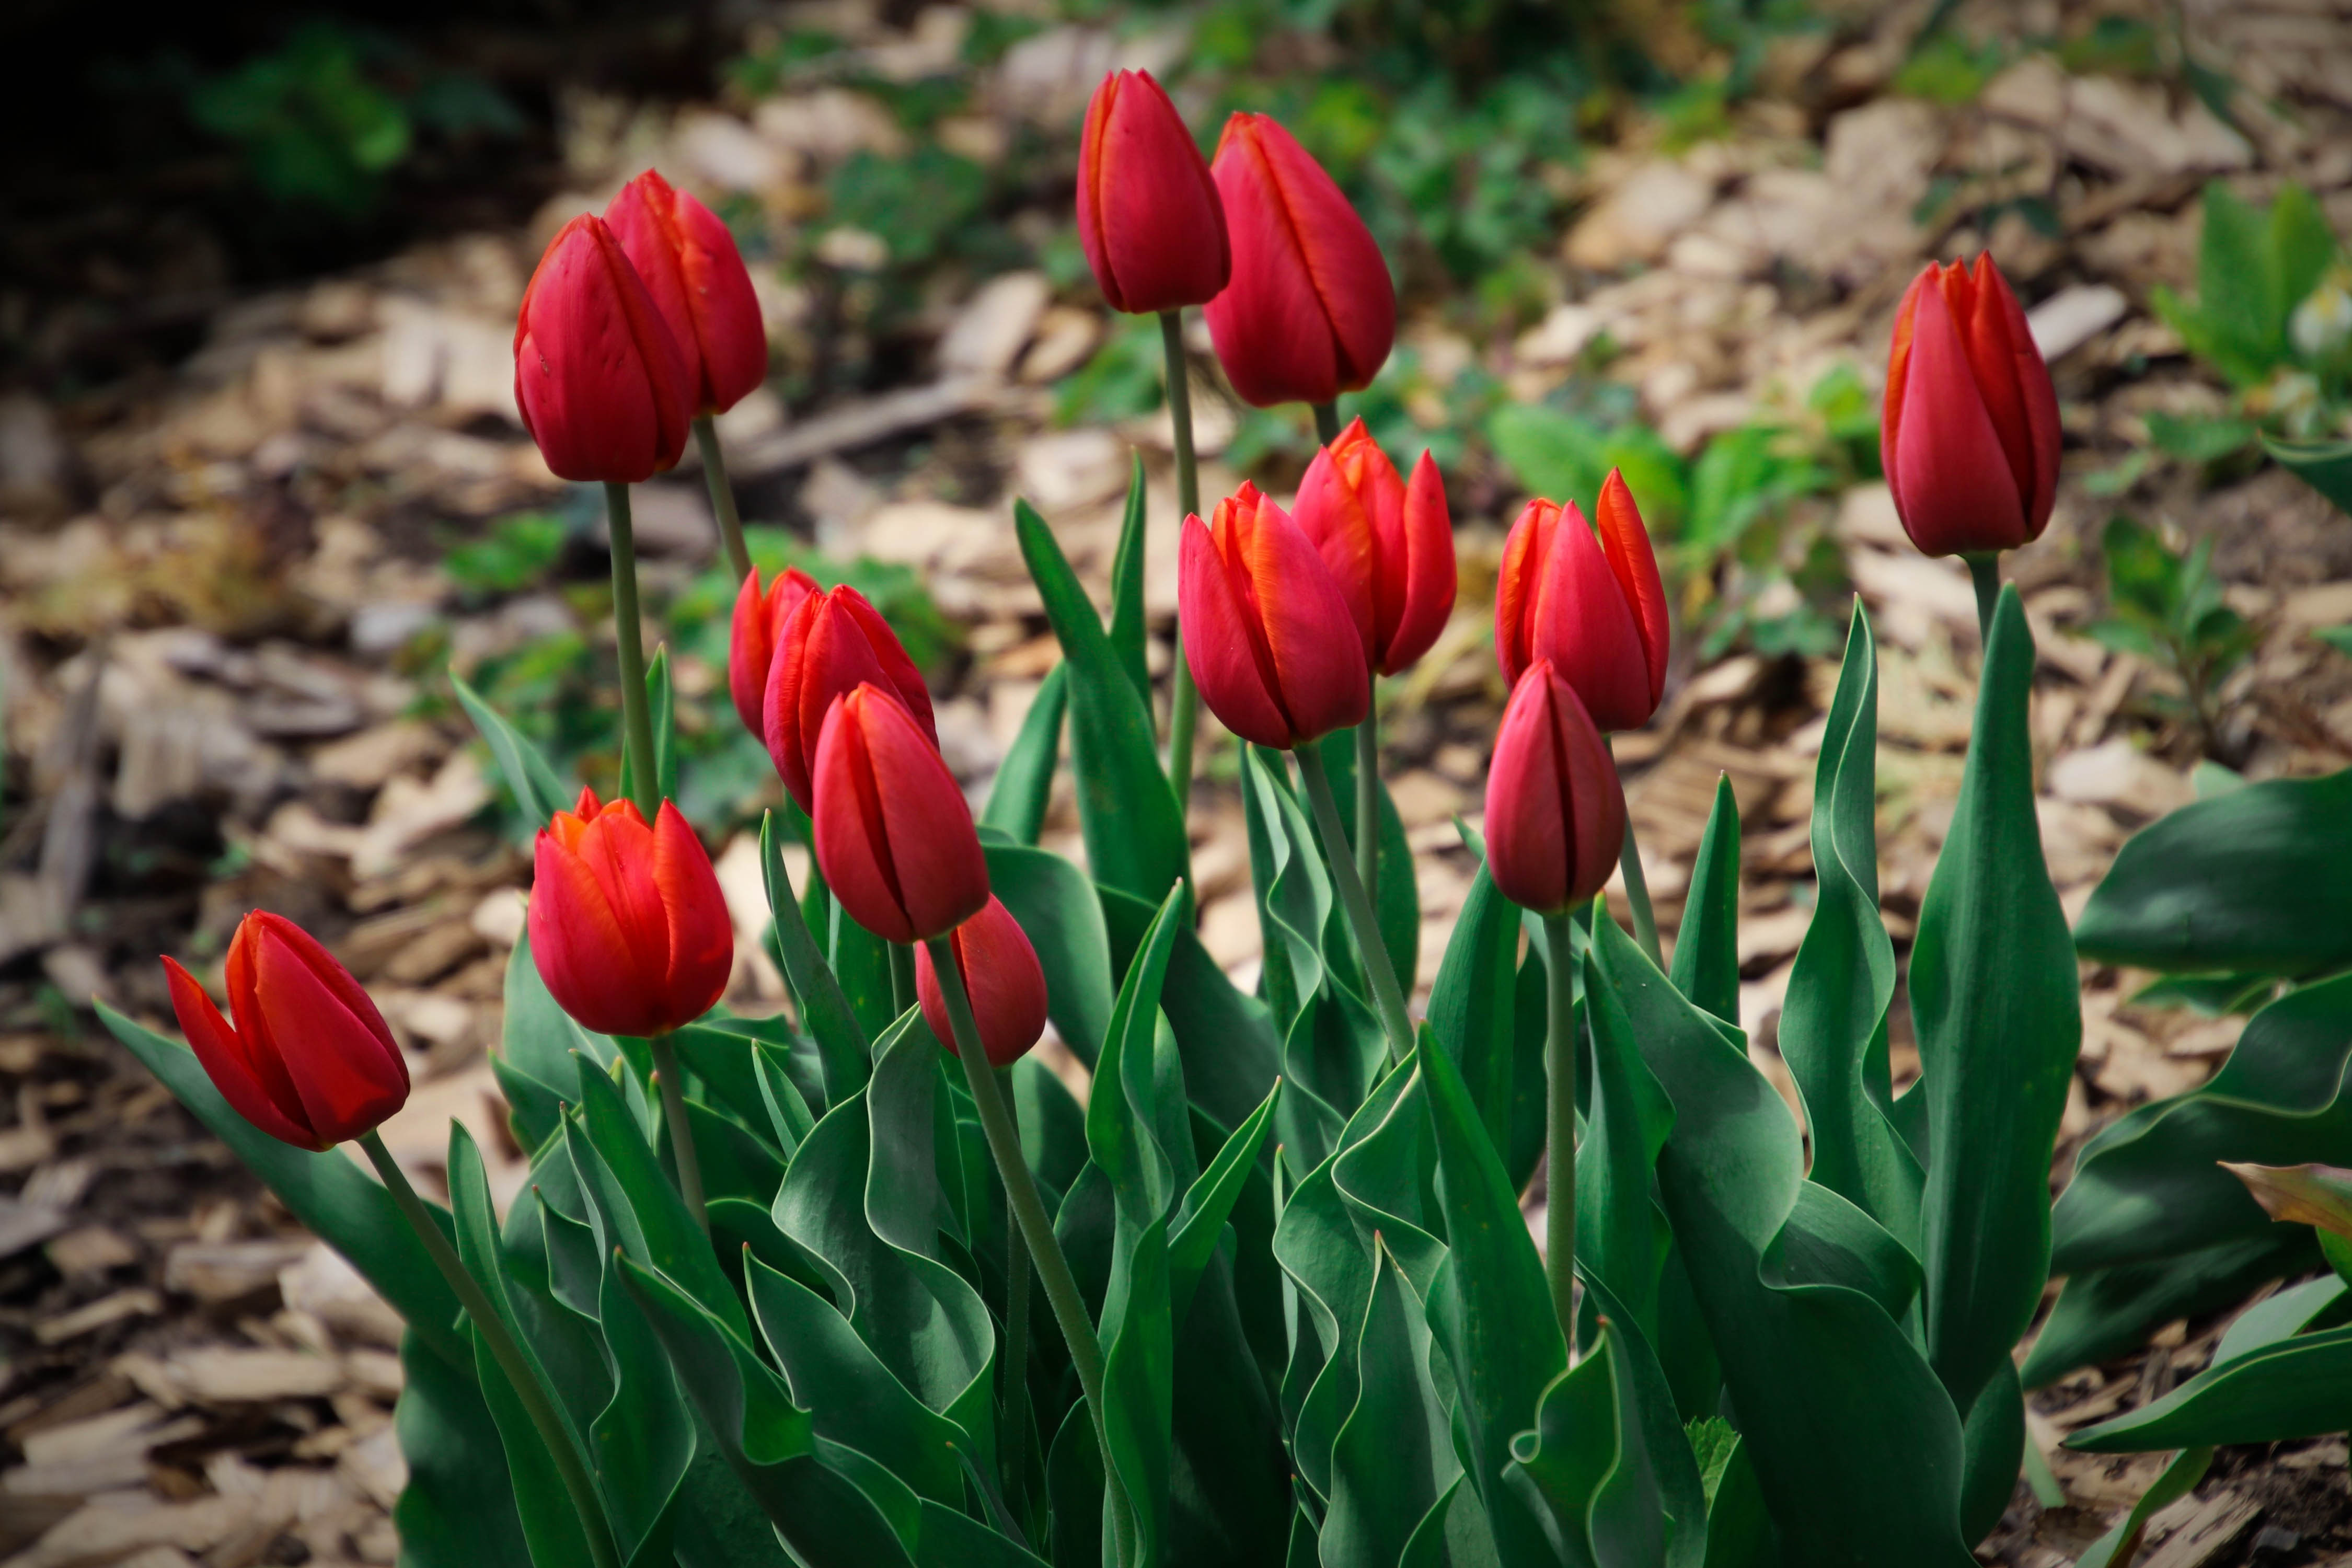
x=599, y=379
x=1389, y=544
x=830, y=643
x=627, y=925
x=309, y=1060
x=1001, y=977
x=1969, y=440
x=751, y=642
x=1310, y=312
x=1148, y=217
x=1272, y=649
x=1594, y=607
x=1555, y=813
x=894, y=836
x=692, y=270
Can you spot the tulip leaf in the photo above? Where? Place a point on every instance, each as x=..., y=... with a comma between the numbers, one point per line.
x=1134, y=834
x=1473, y=1004
x=825, y=1009
x=1025, y=780
x=722, y=1054
x=2104, y=1312
x=1654, y=1428
x=2121, y=1543
x=1058, y=910
x=1707, y=950
x=2257, y=881
x=458, y=1509
x=1126, y=628
x=1396, y=901
x=1588, y=1467
x=661, y=701
x=1622, y=1237
x=537, y=788
x=1231, y=1049
x=1201, y=1220
x=736, y=1163
x=1295, y=896
x=1053, y=1125
x=2293, y=1387
x=1392, y=1458
x=861, y=962
x=534, y=1059
x=2325, y=466
x=1073, y=1484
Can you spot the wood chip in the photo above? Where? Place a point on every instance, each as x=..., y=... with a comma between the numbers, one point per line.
x=2205, y=1535
x=222, y=1375
x=137, y=1302
x=92, y=1249
x=24, y=1224
x=225, y=1270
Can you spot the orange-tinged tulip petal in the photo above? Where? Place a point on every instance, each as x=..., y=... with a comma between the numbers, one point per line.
x=628, y=924
x=1149, y=219
x=833, y=642
x=1267, y=633
x=758, y=620
x=1594, y=606
x=894, y=836
x=1389, y=546
x=599, y=379
x=1002, y=979
x=697, y=279
x=1555, y=813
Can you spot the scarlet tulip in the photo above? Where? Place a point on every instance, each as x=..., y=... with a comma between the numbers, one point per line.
x=760, y=618
x=1148, y=217
x=696, y=276
x=598, y=377
x=1389, y=544
x=1969, y=438
x=1272, y=649
x=1555, y=813
x=1310, y=312
x=830, y=642
x=627, y=925
x=894, y=836
x=1001, y=977
x=1594, y=607
x=309, y=1060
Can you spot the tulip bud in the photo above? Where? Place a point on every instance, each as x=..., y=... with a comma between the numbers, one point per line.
x=1594, y=607
x=691, y=268
x=894, y=836
x=1266, y=631
x=1555, y=813
x=1002, y=979
x=1310, y=312
x=830, y=643
x=752, y=642
x=309, y=1060
x=627, y=925
x=1148, y=217
x=1969, y=438
x=599, y=380
x=1389, y=544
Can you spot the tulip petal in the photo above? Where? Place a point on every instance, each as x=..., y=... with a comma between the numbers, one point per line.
x=1333, y=516
x=1149, y=218
x=890, y=657
x=1518, y=586
x=599, y=380
x=1956, y=491
x=617, y=850
x=1344, y=266
x=1595, y=799
x=851, y=848
x=582, y=954
x=1002, y=980
x=1271, y=330
x=1975, y=303
x=2041, y=408
x=750, y=647
x=941, y=874
x=1425, y=532
x=347, y=1082
x=1626, y=544
x=1528, y=849
x=701, y=937
x=731, y=335
x=1319, y=664
x=1218, y=644
x=223, y=1059
x=1584, y=625
x=337, y=979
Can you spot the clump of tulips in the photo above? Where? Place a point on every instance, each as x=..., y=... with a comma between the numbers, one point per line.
x=767, y=1293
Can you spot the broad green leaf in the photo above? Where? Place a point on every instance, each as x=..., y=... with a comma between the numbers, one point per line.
x=1126, y=628
x=1392, y=1460
x=1992, y=1443
x=825, y=1009
x=1058, y=908
x=1739, y=1526
x=534, y=1061
x=1134, y=834
x=2257, y=881
x=1200, y=1221
x=1585, y=1464
x=1651, y=1418
x=2316, y=1304
x=1396, y=900
x=736, y=1163
x=2297, y=1387
x=2325, y=466
x=1074, y=1481
x=1622, y=1237
x=458, y=1509
x=633, y=1202
x=1706, y=965
x=1557, y=454
x=537, y=789
x=2104, y=1312
x=1295, y=896
x=720, y=1055
x=1230, y=1050
x=1053, y=1125
x=2119, y=1545
x=1025, y=780
x=861, y=962
x=2303, y=247
x=1473, y=1004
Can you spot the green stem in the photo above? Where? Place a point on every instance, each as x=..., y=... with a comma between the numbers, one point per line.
x=1367, y=806
x=1637, y=886
x=722, y=496
x=636, y=714
x=1559, y=1071
x=902, y=978
x=672, y=1084
x=1184, y=700
x=1984, y=570
x=1386, y=995
x=1016, y=1355
x=492, y=1329
x=1327, y=422
x=1003, y=1134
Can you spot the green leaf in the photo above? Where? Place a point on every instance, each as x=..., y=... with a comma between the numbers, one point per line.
x=1739, y=1526
x=1229, y=1048
x=1585, y=1463
x=1556, y=454
x=2320, y=1303
x=1706, y=965
x=1622, y=1237
x=2239, y=313
x=861, y=962
x=2121, y=1543
x=1473, y=1004
x=458, y=1509
x=1996, y=1059
x=825, y=1009
x=1295, y=896
x=633, y=1202
x=1024, y=781
x=1396, y=899
x=662, y=700
x=1199, y=1222
x=1392, y=1460
x=1060, y=913
x=2325, y=466
x=1134, y=836
x=2104, y=1312
x=1126, y=628
x=2297, y=1387
x=2303, y=247
x=536, y=786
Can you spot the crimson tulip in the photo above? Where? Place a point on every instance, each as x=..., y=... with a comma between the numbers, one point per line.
x=830, y=642
x=1311, y=311
x=1002, y=978
x=894, y=836
x=760, y=618
x=1389, y=544
x=1595, y=607
x=1266, y=629
x=1149, y=218
x=1969, y=438
x=627, y=925
x=599, y=379
x=308, y=1059
x=1555, y=813
x=690, y=266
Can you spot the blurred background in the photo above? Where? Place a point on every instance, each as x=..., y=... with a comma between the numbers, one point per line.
x=263, y=488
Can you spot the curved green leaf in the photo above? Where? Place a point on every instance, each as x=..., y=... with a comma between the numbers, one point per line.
x=2104, y=1313
x=2298, y=1387
x=1622, y=1237
x=1392, y=1458
x=1059, y=910
x=1126, y=628
x=2325, y=466
x=1199, y=1222
x=1025, y=780
x=458, y=1509
x=825, y=1009
x=537, y=789
x=1706, y=965
x=1473, y=1004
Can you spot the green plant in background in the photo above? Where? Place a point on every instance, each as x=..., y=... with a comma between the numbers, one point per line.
x=518, y=551
x=2167, y=608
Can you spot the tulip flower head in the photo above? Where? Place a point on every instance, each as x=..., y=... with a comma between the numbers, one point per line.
x=1555, y=811
x=1272, y=648
x=694, y=273
x=1149, y=218
x=760, y=618
x=308, y=1059
x=1388, y=543
x=894, y=836
x=829, y=644
x=627, y=925
x=1595, y=607
x=599, y=380
x=1310, y=312
x=1002, y=979
x=1969, y=437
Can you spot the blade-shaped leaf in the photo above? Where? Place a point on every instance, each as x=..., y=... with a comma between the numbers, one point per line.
x=537, y=788
x=1622, y=1237
x=2121, y=1544
x=1707, y=950
x=2104, y=1313
x=1396, y=900
x=1126, y=628
x=1392, y=1460
x=458, y=1509
x=2296, y=1388
x=1025, y=780
x=825, y=1008
x=1201, y=1220
x=1472, y=1005
x=2325, y=466
x=1059, y=912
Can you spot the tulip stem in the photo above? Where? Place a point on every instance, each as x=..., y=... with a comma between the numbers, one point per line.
x=902, y=977
x=1184, y=700
x=722, y=496
x=1367, y=806
x=496, y=1339
x=1016, y=1350
x=1984, y=570
x=1637, y=882
x=1378, y=971
x=672, y=1084
x=1003, y=1132
x=637, y=715
x=1559, y=1178
x=1327, y=422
